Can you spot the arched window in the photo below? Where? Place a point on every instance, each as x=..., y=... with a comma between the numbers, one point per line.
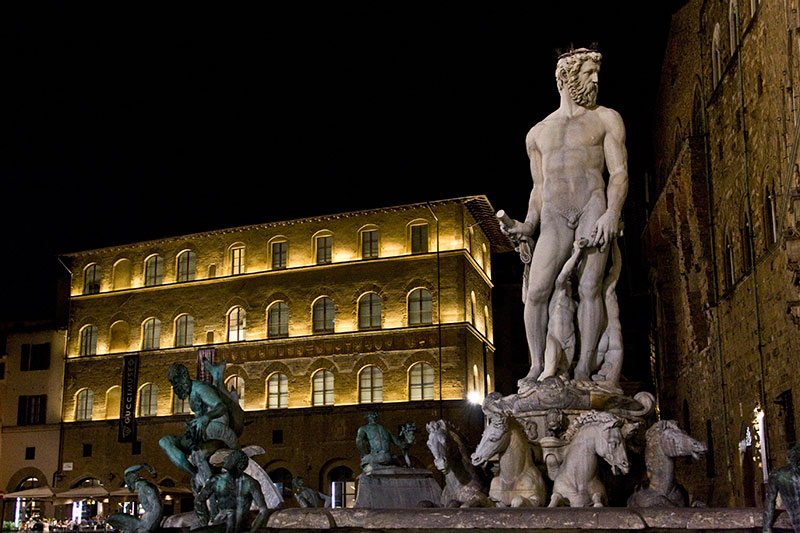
x=369, y=243
x=151, y=334
x=747, y=249
x=698, y=121
x=322, y=388
x=153, y=271
x=148, y=400
x=369, y=311
x=677, y=143
x=716, y=56
x=235, y=384
x=486, y=321
x=418, y=238
x=83, y=404
x=323, y=315
x=278, y=320
x=420, y=382
x=187, y=265
x=342, y=481
x=277, y=391
x=770, y=220
x=279, y=250
x=184, y=331
x=472, y=305
x=733, y=23
x=180, y=406
x=237, y=323
x=370, y=385
x=91, y=279
x=420, y=307
x=89, y=340
x=121, y=274
x=113, y=398
x=323, y=248
x=118, y=337
x=729, y=266
x=237, y=259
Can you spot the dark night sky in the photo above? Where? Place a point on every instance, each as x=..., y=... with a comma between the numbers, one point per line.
x=125, y=124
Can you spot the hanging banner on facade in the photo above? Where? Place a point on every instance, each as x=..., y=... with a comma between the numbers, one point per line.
x=204, y=354
x=127, y=404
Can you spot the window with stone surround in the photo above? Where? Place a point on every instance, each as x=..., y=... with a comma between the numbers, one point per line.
x=729, y=266
x=278, y=320
x=420, y=382
x=279, y=250
x=121, y=274
x=369, y=311
x=369, y=243
x=88, y=340
x=419, y=238
x=180, y=406
x=237, y=324
x=370, y=385
x=31, y=409
x=770, y=220
x=187, y=266
x=184, y=330
x=733, y=24
x=236, y=383
x=148, y=400
x=277, y=391
x=113, y=398
x=716, y=56
x=323, y=248
x=323, y=315
x=420, y=307
x=237, y=260
x=153, y=271
x=746, y=244
x=91, y=279
x=84, y=401
x=322, y=388
x=151, y=334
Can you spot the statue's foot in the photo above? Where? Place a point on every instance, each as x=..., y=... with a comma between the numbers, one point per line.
x=581, y=374
x=530, y=380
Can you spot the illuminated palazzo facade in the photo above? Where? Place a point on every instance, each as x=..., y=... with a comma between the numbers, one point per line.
x=319, y=319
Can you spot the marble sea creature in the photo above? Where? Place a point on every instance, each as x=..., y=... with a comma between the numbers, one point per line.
x=465, y=485
x=665, y=442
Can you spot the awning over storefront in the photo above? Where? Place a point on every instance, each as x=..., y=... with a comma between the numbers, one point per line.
x=38, y=493
x=81, y=493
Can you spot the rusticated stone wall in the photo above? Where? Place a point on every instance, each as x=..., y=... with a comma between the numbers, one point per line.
x=719, y=238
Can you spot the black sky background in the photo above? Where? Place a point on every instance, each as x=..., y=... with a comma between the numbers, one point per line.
x=123, y=123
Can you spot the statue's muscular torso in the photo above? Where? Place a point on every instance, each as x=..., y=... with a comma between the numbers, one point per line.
x=571, y=157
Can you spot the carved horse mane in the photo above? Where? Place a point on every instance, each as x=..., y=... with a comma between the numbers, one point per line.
x=665, y=441
x=464, y=483
x=586, y=419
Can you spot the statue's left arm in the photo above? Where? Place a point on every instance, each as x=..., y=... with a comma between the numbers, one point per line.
x=607, y=226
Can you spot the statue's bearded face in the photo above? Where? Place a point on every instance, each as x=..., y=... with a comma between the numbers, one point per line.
x=582, y=84
x=182, y=386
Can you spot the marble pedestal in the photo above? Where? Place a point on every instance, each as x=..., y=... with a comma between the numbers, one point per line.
x=396, y=488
